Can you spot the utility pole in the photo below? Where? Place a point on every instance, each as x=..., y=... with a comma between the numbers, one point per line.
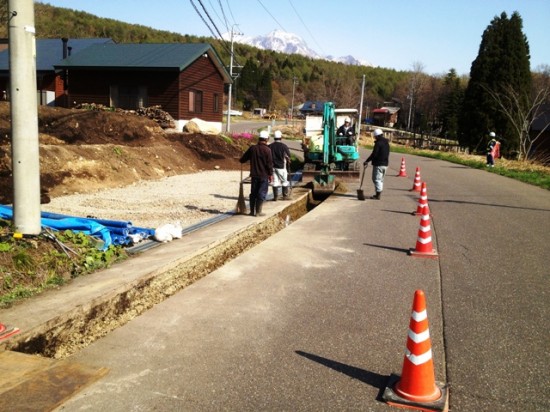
x=24, y=118
x=228, y=124
x=361, y=105
x=294, y=82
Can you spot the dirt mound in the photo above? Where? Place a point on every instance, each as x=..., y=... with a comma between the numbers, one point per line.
x=85, y=151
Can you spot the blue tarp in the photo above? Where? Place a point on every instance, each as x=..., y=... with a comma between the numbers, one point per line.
x=109, y=231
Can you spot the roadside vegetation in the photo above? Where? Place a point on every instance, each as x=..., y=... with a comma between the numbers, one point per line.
x=530, y=172
x=32, y=265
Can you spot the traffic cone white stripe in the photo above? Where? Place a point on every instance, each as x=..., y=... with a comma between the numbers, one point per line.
x=419, y=316
x=419, y=359
x=419, y=337
x=425, y=241
x=424, y=229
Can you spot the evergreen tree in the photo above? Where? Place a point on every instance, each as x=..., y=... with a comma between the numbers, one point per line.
x=502, y=63
x=451, y=101
x=248, y=85
x=265, y=89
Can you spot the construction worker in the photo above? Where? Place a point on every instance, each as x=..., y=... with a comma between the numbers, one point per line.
x=261, y=172
x=380, y=159
x=493, y=150
x=347, y=131
x=281, y=159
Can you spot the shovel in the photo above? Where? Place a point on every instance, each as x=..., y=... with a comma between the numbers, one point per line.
x=241, y=205
x=360, y=194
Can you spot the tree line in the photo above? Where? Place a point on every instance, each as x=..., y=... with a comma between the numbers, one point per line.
x=501, y=94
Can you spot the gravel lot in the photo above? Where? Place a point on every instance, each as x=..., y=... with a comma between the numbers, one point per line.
x=187, y=199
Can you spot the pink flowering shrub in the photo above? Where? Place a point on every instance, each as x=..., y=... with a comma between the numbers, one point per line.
x=248, y=136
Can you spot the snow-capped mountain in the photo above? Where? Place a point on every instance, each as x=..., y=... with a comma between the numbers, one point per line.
x=290, y=43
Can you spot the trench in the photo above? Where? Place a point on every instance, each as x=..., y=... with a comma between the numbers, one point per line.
x=62, y=338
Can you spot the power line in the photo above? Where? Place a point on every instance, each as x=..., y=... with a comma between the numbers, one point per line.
x=223, y=41
x=223, y=14
x=273, y=17
x=202, y=18
x=307, y=28
x=230, y=11
x=217, y=15
x=210, y=18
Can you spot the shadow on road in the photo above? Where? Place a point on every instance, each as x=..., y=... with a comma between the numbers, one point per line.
x=395, y=249
x=487, y=204
x=370, y=378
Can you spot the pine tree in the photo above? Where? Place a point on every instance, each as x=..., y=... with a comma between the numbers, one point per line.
x=502, y=63
x=451, y=101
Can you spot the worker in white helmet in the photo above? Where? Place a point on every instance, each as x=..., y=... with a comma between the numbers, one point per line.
x=281, y=162
x=347, y=131
x=261, y=172
x=380, y=159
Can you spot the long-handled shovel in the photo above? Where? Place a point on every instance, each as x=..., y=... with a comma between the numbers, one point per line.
x=360, y=194
x=241, y=205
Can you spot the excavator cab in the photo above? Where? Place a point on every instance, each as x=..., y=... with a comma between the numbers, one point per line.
x=328, y=157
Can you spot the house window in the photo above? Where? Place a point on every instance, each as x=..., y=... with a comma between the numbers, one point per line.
x=195, y=101
x=128, y=97
x=216, y=103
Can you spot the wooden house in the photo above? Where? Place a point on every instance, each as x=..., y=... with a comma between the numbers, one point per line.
x=48, y=52
x=186, y=79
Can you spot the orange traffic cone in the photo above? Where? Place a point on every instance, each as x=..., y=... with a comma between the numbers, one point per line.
x=403, y=170
x=424, y=246
x=416, y=183
x=416, y=388
x=7, y=331
x=422, y=201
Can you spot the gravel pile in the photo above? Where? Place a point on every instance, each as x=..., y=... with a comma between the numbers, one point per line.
x=187, y=199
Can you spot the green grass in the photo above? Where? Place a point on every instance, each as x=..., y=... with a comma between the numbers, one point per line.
x=526, y=172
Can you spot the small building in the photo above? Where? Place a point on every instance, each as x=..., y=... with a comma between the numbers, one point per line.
x=186, y=79
x=385, y=116
x=48, y=52
x=312, y=108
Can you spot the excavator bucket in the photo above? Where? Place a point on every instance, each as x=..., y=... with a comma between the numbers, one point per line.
x=323, y=184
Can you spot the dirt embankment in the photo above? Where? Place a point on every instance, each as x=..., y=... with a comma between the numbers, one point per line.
x=83, y=151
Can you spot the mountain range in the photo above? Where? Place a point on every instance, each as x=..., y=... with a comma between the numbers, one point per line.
x=290, y=43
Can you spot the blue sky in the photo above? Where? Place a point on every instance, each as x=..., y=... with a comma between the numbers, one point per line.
x=439, y=34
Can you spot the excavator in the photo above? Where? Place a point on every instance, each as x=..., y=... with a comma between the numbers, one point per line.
x=328, y=157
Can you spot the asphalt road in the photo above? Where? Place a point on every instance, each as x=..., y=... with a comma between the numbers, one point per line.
x=252, y=126
x=316, y=317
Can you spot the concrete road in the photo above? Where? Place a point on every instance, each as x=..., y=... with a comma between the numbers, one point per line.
x=316, y=317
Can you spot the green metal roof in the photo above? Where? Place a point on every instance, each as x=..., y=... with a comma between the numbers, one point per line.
x=153, y=56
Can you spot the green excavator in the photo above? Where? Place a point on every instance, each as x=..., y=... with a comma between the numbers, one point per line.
x=328, y=157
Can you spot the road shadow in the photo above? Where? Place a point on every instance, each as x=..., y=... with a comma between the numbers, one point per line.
x=227, y=197
x=370, y=378
x=211, y=211
x=398, y=211
x=395, y=249
x=486, y=204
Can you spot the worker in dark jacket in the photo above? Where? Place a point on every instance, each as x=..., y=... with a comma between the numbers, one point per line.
x=281, y=159
x=261, y=172
x=380, y=159
x=347, y=131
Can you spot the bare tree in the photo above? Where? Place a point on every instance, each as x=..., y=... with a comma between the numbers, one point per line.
x=415, y=85
x=522, y=116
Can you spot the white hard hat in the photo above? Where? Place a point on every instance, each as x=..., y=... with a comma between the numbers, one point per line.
x=278, y=134
x=347, y=119
x=264, y=134
x=378, y=132
x=492, y=134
